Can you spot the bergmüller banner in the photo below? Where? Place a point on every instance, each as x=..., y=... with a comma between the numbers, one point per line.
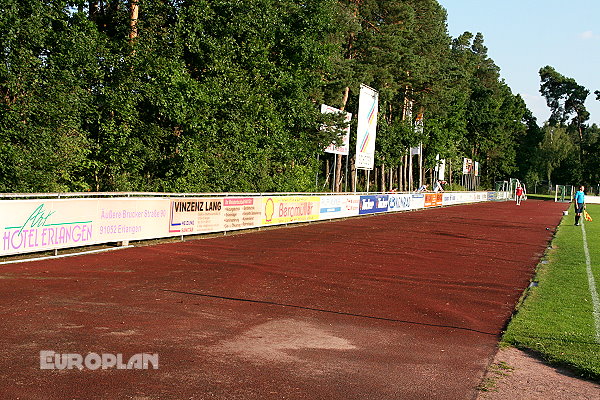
x=366, y=127
x=345, y=147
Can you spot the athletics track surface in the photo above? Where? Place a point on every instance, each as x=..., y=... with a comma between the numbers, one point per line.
x=396, y=306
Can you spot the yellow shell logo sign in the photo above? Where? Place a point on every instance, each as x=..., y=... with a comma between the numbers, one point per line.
x=269, y=210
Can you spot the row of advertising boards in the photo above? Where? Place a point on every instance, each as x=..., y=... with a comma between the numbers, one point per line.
x=43, y=224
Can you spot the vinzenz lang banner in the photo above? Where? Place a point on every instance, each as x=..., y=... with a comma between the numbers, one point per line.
x=345, y=147
x=194, y=215
x=200, y=215
x=366, y=127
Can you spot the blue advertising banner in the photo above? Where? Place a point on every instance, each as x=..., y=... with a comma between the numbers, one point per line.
x=373, y=204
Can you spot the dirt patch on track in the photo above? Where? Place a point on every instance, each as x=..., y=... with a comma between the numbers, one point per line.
x=514, y=374
x=407, y=305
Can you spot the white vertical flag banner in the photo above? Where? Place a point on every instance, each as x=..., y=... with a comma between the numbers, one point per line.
x=419, y=124
x=441, y=169
x=419, y=131
x=366, y=127
x=467, y=166
x=345, y=147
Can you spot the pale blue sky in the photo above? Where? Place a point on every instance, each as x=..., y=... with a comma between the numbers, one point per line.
x=523, y=36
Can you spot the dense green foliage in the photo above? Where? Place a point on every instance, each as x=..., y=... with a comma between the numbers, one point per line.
x=224, y=95
x=567, y=149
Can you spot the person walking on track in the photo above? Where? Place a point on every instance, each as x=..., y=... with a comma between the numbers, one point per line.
x=519, y=194
x=579, y=202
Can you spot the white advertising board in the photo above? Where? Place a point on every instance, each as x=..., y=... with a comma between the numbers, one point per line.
x=339, y=206
x=38, y=225
x=345, y=147
x=400, y=202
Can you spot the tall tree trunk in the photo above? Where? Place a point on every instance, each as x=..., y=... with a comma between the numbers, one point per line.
x=93, y=9
x=375, y=176
x=326, y=172
x=338, y=173
x=134, y=12
x=433, y=177
x=401, y=176
x=345, y=97
x=338, y=158
x=407, y=158
x=352, y=176
x=349, y=56
x=410, y=173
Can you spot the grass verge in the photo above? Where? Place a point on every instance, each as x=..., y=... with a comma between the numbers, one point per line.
x=556, y=319
x=540, y=196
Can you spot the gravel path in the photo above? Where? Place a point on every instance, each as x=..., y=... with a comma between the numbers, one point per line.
x=514, y=375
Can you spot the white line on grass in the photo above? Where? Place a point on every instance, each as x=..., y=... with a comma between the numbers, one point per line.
x=592, y=284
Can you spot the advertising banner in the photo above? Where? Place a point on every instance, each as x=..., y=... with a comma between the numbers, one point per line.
x=419, y=125
x=418, y=201
x=339, y=206
x=29, y=226
x=38, y=225
x=345, y=147
x=399, y=202
x=130, y=218
x=502, y=195
x=373, y=204
x=242, y=212
x=450, y=199
x=366, y=127
x=463, y=197
x=433, y=199
x=196, y=215
x=467, y=166
x=287, y=209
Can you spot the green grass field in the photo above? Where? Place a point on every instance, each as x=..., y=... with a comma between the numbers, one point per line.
x=540, y=196
x=556, y=318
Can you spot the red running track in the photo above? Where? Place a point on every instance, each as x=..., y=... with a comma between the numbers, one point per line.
x=397, y=306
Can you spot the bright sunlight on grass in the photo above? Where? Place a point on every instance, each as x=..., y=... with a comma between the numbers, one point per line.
x=557, y=317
